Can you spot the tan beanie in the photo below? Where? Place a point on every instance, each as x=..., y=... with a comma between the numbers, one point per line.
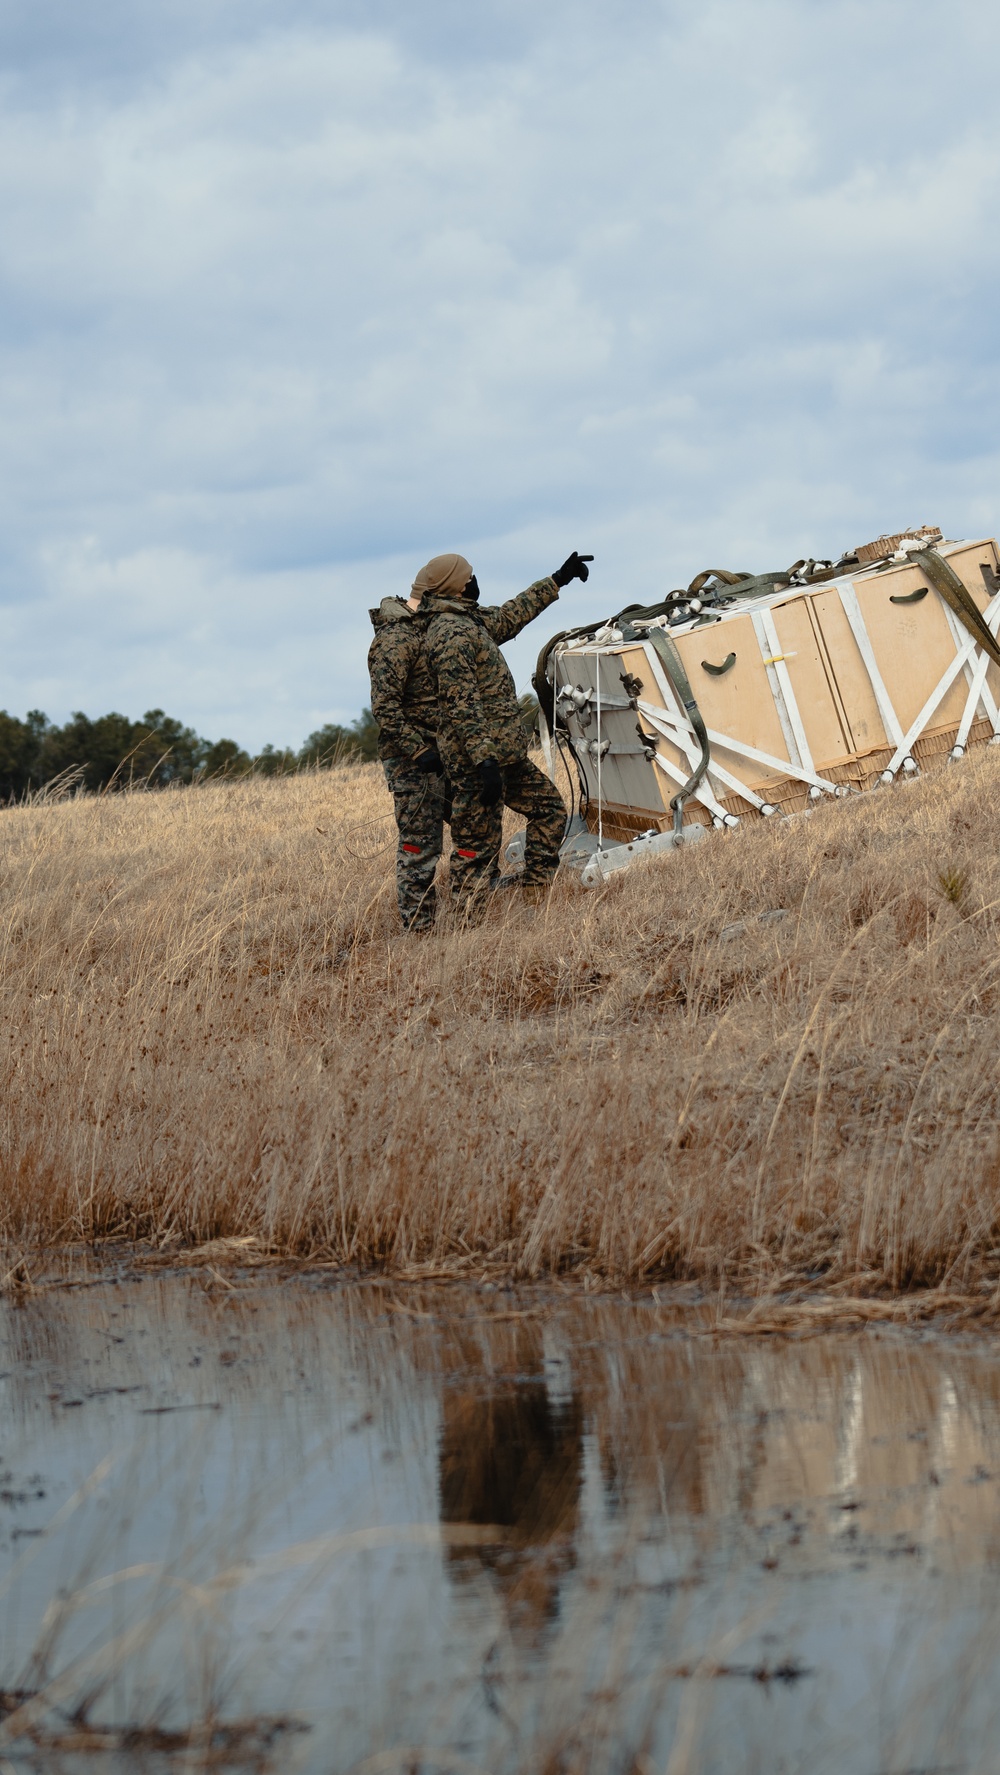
x=448, y=575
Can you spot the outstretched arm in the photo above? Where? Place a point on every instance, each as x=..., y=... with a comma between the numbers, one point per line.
x=505, y=621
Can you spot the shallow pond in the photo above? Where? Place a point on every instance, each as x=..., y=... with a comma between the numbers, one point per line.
x=372, y=1528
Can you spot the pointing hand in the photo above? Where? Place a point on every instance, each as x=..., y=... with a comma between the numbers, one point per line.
x=574, y=567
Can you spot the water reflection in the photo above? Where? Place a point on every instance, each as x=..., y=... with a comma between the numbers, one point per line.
x=511, y=1455
x=682, y=1529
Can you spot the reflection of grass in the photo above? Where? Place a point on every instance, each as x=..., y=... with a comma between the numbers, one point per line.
x=213, y=1744
x=162, y=1616
x=214, y=1032
x=714, y=1594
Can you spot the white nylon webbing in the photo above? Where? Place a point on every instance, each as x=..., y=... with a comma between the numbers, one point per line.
x=940, y=690
x=979, y=691
x=792, y=726
x=852, y=611
x=683, y=741
x=702, y=794
x=742, y=750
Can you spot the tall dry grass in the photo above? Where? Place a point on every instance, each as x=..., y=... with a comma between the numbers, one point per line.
x=212, y=1027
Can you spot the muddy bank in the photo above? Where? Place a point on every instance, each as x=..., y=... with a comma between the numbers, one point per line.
x=327, y=1527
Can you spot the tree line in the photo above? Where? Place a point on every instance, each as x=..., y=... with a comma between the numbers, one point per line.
x=113, y=752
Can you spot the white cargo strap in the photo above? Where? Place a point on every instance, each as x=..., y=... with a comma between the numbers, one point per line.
x=702, y=793
x=780, y=766
x=852, y=611
x=939, y=692
x=980, y=694
x=792, y=725
x=684, y=742
x=740, y=788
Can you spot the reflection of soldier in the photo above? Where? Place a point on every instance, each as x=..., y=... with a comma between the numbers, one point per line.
x=480, y=729
x=405, y=706
x=514, y=1459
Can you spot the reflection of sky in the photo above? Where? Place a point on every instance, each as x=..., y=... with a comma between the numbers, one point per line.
x=293, y=296
x=831, y=1504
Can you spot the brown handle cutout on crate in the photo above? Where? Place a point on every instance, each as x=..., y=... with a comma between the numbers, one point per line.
x=717, y=671
x=908, y=597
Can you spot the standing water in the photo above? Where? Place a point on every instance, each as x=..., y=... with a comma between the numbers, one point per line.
x=303, y=1526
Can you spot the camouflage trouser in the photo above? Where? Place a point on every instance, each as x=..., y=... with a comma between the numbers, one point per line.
x=477, y=831
x=419, y=802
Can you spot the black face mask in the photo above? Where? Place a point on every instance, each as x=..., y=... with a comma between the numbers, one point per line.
x=472, y=590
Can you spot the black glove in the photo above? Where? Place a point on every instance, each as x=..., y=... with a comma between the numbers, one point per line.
x=573, y=568
x=490, y=782
x=430, y=762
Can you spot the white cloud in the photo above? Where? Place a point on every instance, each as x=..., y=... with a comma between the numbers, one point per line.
x=291, y=299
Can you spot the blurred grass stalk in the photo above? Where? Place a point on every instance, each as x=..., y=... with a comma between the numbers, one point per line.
x=213, y=1029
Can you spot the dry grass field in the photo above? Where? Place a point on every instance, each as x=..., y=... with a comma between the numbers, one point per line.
x=213, y=1029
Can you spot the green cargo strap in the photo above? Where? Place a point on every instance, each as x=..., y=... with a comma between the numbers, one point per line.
x=726, y=579
x=673, y=665
x=958, y=598
x=740, y=585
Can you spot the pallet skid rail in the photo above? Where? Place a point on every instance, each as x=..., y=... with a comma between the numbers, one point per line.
x=857, y=679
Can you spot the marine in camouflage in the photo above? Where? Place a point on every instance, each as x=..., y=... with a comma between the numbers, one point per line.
x=479, y=718
x=404, y=703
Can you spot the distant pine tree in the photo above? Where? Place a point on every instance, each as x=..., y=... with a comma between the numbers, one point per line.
x=333, y=744
x=276, y=761
x=226, y=759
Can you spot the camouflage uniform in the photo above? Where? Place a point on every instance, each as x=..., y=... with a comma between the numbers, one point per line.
x=404, y=703
x=479, y=718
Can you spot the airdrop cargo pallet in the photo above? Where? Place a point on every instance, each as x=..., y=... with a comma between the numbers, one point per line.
x=805, y=690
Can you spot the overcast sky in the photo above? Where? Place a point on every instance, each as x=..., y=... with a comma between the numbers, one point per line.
x=297, y=293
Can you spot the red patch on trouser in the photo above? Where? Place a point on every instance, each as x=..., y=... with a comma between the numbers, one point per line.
x=470, y=854
x=414, y=849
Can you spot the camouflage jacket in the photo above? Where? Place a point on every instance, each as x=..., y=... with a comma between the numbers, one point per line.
x=404, y=700
x=478, y=716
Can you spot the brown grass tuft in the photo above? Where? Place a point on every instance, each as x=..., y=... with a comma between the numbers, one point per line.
x=214, y=1031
